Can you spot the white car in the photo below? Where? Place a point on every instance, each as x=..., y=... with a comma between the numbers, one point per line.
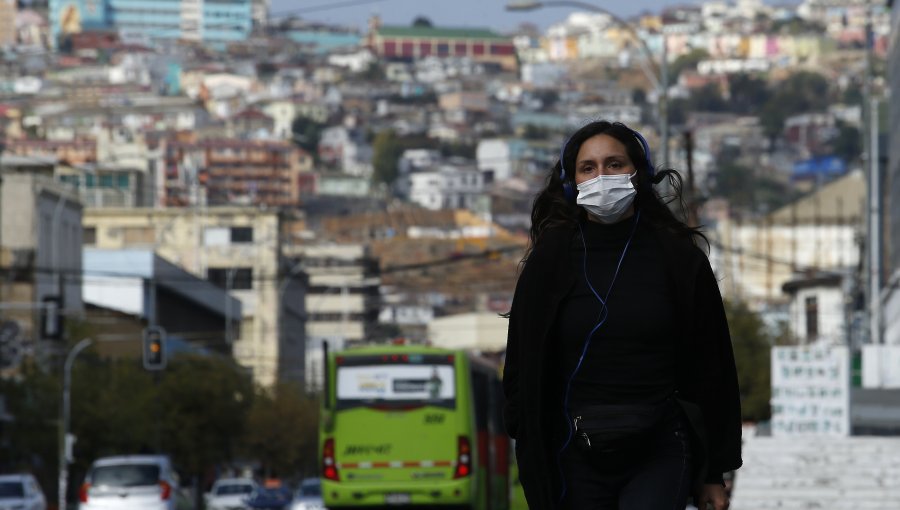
x=229, y=493
x=308, y=496
x=21, y=492
x=130, y=482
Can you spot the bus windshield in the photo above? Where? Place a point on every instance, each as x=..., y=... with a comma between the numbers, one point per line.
x=395, y=382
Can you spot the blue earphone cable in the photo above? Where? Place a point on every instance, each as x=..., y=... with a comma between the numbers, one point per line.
x=604, y=313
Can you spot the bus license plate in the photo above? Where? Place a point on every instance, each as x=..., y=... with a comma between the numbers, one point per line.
x=397, y=499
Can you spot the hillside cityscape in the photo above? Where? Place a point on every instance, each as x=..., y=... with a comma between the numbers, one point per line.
x=258, y=190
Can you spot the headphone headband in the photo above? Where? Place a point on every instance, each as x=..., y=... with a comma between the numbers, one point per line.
x=640, y=138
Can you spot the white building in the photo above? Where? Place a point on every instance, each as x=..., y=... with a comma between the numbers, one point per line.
x=481, y=331
x=448, y=187
x=236, y=248
x=820, y=231
x=500, y=156
x=342, y=301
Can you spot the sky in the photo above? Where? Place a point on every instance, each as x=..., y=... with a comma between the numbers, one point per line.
x=449, y=13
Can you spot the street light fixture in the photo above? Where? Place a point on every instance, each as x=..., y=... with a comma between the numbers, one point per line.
x=659, y=76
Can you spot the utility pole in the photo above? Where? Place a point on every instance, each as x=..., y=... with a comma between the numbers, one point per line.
x=874, y=226
x=870, y=151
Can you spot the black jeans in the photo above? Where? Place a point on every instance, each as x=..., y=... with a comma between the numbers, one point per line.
x=657, y=476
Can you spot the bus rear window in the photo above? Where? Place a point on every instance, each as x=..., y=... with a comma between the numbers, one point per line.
x=396, y=385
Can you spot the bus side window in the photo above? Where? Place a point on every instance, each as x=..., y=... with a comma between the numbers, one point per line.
x=495, y=415
x=480, y=390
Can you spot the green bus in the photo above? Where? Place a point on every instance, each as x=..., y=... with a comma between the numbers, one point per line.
x=415, y=426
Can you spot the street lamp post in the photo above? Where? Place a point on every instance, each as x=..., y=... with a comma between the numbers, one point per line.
x=658, y=77
x=64, y=445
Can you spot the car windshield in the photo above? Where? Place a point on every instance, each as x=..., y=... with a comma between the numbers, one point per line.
x=125, y=475
x=9, y=490
x=233, y=488
x=308, y=489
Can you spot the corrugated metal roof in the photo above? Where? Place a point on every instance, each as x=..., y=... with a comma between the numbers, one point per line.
x=840, y=201
x=440, y=33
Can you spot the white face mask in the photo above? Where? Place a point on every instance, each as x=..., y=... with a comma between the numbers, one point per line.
x=607, y=197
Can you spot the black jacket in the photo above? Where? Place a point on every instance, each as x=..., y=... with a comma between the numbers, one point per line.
x=707, y=377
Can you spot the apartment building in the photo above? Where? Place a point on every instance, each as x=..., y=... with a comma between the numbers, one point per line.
x=227, y=171
x=40, y=237
x=237, y=249
x=342, y=300
x=211, y=21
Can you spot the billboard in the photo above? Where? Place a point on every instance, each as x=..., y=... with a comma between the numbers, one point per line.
x=810, y=391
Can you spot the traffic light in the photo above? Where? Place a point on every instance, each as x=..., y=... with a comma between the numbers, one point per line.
x=154, y=348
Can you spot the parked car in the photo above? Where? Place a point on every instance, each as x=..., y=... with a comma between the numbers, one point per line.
x=21, y=492
x=230, y=494
x=264, y=498
x=130, y=482
x=308, y=495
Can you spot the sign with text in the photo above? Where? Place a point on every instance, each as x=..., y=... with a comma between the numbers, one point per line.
x=810, y=391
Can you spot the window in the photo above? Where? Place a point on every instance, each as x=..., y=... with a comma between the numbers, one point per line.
x=89, y=236
x=139, y=235
x=240, y=278
x=812, y=318
x=106, y=181
x=122, y=181
x=216, y=236
x=241, y=234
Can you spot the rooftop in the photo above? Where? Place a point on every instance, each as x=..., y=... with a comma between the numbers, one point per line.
x=443, y=33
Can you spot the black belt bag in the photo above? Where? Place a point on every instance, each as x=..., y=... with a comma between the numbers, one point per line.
x=607, y=428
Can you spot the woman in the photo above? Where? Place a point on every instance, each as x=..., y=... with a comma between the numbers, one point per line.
x=621, y=388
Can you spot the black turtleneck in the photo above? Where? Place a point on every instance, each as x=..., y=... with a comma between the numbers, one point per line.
x=631, y=356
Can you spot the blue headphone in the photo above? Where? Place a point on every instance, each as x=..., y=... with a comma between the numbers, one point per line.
x=569, y=187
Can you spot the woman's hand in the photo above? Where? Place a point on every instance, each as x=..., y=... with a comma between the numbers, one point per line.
x=715, y=495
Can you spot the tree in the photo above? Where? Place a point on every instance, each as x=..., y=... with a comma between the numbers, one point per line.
x=747, y=93
x=847, y=145
x=707, y=98
x=306, y=134
x=386, y=152
x=752, y=346
x=687, y=61
x=204, y=404
x=282, y=431
x=195, y=410
x=422, y=22
x=801, y=92
x=736, y=183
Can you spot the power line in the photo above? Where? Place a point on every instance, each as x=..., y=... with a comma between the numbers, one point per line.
x=323, y=7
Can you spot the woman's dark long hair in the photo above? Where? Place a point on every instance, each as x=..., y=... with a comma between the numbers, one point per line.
x=552, y=209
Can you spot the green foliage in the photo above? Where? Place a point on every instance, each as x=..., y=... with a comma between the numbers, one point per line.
x=748, y=191
x=461, y=149
x=204, y=411
x=848, y=143
x=802, y=92
x=797, y=26
x=746, y=93
x=386, y=152
x=422, y=22
x=374, y=72
x=282, y=429
x=853, y=94
x=34, y=401
x=306, y=133
x=752, y=345
x=687, y=61
x=202, y=403
x=532, y=132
